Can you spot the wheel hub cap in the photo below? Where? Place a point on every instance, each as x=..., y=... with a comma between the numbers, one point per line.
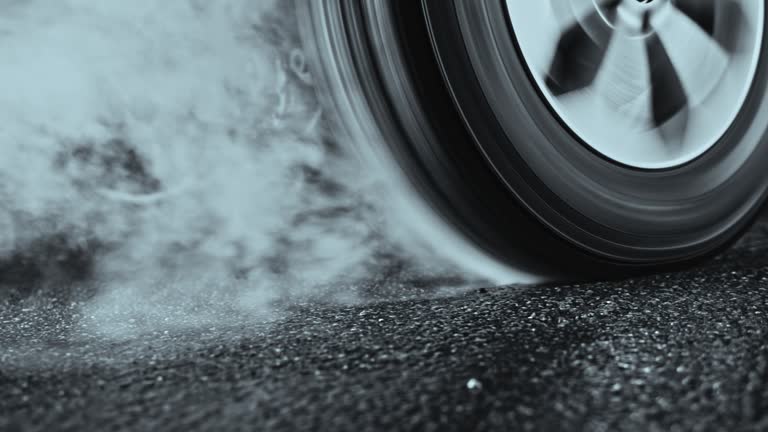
x=646, y=83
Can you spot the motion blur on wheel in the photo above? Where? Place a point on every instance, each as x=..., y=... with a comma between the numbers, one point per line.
x=580, y=137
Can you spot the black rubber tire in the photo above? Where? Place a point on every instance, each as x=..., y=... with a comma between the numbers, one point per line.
x=464, y=121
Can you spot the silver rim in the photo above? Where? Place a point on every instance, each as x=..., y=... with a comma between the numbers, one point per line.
x=648, y=83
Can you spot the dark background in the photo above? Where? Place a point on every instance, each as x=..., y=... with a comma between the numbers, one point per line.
x=681, y=351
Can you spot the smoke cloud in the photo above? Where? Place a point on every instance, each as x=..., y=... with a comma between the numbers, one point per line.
x=173, y=157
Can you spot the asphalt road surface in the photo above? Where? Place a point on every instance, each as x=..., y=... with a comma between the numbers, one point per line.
x=683, y=351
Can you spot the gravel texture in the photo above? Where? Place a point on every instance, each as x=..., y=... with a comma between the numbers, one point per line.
x=683, y=351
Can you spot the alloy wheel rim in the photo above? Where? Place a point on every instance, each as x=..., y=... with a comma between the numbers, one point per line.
x=650, y=84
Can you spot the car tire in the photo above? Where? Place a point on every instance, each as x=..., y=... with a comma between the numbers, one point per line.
x=446, y=93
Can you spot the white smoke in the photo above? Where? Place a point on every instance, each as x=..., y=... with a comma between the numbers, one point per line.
x=179, y=146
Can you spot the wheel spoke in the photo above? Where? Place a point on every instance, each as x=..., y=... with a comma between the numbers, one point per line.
x=623, y=80
x=580, y=52
x=699, y=60
x=721, y=19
